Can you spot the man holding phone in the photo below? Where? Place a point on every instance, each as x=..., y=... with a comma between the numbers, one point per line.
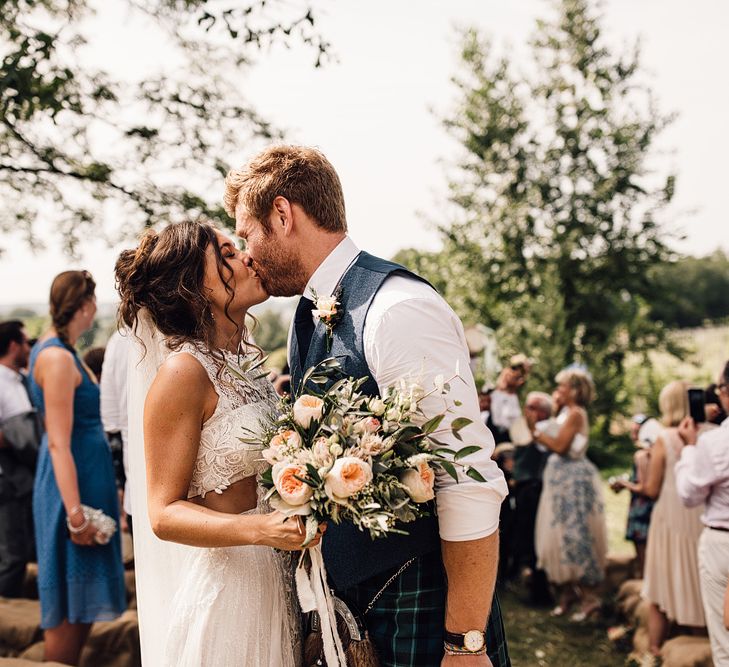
x=702, y=476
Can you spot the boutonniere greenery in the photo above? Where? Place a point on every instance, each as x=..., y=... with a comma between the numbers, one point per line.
x=326, y=310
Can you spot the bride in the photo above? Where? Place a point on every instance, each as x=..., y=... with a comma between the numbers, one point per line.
x=211, y=590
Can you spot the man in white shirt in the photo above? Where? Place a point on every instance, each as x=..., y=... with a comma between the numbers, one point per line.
x=17, y=460
x=289, y=208
x=702, y=477
x=505, y=406
x=114, y=415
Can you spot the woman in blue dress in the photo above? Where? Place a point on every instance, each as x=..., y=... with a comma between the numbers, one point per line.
x=79, y=580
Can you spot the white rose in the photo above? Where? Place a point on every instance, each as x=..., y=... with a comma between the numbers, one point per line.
x=348, y=476
x=378, y=407
x=306, y=409
x=336, y=450
x=273, y=454
x=393, y=415
x=419, y=482
x=292, y=490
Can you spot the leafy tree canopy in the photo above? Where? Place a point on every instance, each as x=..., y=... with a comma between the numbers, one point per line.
x=78, y=141
x=554, y=211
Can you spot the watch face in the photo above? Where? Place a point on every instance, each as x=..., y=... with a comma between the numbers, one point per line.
x=473, y=640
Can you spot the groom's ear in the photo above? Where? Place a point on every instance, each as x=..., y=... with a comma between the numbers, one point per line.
x=283, y=215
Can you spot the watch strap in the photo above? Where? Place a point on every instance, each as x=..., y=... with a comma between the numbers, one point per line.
x=457, y=640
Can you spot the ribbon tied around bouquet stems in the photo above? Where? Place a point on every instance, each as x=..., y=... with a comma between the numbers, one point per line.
x=314, y=595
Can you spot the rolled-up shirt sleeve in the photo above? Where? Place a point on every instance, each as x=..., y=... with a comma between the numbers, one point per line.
x=695, y=474
x=419, y=338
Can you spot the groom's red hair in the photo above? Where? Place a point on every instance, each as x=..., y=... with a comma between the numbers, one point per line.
x=300, y=174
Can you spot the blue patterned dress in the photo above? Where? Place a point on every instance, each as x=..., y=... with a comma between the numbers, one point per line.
x=571, y=533
x=80, y=584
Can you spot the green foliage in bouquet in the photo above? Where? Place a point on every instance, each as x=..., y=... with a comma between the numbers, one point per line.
x=340, y=455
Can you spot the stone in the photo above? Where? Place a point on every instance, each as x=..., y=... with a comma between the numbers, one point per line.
x=687, y=651
x=19, y=625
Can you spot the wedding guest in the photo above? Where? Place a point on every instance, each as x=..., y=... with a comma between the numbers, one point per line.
x=571, y=534
x=529, y=462
x=80, y=581
x=114, y=417
x=641, y=505
x=702, y=479
x=505, y=407
x=715, y=412
x=504, y=457
x=94, y=360
x=671, y=581
x=19, y=440
x=484, y=406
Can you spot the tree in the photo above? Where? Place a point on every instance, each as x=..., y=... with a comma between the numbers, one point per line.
x=271, y=330
x=78, y=144
x=553, y=210
x=692, y=291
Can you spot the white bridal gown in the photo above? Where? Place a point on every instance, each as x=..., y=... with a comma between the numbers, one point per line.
x=228, y=607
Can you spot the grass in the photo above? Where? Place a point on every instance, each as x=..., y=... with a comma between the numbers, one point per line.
x=537, y=639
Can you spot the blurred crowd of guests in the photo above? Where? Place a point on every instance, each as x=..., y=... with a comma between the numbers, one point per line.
x=56, y=464
x=553, y=531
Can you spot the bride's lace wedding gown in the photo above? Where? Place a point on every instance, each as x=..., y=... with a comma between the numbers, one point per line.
x=235, y=606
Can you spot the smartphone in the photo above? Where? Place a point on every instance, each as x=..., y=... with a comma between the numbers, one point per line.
x=696, y=405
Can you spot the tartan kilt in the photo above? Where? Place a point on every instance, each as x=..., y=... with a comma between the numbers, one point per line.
x=407, y=622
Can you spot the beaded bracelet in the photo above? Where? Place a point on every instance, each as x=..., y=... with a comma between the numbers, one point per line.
x=75, y=530
x=452, y=649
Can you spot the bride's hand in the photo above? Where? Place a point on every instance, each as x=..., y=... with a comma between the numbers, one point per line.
x=288, y=534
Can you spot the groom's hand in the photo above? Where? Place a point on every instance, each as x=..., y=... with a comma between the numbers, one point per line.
x=466, y=661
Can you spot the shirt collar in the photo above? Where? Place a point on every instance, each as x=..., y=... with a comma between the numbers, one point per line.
x=326, y=278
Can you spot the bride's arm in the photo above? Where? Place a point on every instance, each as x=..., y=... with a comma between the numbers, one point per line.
x=179, y=400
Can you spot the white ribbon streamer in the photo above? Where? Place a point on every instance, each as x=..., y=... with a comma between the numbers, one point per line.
x=314, y=595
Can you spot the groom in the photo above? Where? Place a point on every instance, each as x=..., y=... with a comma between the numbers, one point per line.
x=437, y=604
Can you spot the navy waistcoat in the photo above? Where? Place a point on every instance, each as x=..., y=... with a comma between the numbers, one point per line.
x=352, y=556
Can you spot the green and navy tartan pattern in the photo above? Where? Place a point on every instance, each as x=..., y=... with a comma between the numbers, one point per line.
x=406, y=623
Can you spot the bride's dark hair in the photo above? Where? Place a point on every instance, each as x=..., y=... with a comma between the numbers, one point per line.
x=165, y=275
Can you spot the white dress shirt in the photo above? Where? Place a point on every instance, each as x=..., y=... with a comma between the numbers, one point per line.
x=13, y=396
x=702, y=476
x=505, y=408
x=411, y=332
x=113, y=387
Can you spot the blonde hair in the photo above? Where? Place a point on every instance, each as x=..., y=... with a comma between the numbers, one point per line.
x=300, y=174
x=580, y=383
x=673, y=402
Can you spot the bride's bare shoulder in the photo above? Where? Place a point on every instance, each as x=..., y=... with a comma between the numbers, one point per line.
x=182, y=374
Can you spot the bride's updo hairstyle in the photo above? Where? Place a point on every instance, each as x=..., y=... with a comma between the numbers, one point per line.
x=165, y=275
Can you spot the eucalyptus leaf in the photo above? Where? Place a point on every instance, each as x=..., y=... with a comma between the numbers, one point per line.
x=466, y=451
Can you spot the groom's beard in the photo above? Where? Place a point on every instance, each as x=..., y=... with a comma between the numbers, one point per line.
x=281, y=273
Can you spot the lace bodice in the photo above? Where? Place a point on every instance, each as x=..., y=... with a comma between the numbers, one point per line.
x=243, y=402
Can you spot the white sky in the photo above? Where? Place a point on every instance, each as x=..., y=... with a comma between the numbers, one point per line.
x=371, y=114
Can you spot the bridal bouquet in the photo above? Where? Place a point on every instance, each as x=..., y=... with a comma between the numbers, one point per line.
x=339, y=455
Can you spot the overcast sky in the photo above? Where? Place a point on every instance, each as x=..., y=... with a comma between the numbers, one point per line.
x=372, y=114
